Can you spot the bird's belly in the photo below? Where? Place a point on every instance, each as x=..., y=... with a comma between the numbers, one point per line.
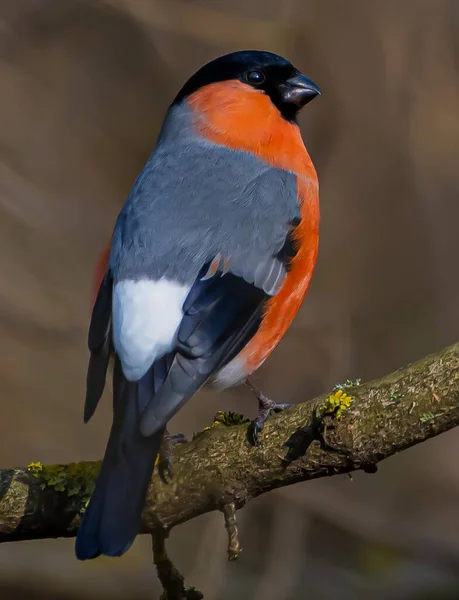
x=234, y=373
x=279, y=314
x=261, y=345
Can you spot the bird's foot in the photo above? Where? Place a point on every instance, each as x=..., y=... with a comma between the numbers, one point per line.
x=163, y=460
x=266, y=407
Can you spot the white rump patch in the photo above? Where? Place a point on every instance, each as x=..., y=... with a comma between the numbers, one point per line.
x=146, y=316
x=234, y=373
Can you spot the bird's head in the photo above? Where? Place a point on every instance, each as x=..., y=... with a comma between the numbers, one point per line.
x=247, y=75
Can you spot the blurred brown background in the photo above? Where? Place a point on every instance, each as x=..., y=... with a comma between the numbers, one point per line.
x=84, y=87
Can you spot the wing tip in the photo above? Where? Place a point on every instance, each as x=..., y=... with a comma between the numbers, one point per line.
x=90, y=549
x=90, y=405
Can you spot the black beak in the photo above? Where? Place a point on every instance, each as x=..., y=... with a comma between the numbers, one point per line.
x=299, y=90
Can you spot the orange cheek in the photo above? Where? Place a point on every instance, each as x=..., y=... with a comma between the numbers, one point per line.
x=239, y=117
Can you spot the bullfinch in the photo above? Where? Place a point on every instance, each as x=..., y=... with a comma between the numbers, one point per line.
x=210, y=259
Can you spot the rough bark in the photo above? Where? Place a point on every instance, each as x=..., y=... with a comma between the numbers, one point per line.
x=218, y=467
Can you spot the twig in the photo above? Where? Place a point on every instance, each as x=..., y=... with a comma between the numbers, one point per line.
x=234, y=546
x=170, y=577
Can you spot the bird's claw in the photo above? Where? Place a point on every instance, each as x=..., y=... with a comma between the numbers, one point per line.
x=266, y=407
x=279, y=407
x=257, y=425
x=253, y=431
x=165, y=470
x=164, y=457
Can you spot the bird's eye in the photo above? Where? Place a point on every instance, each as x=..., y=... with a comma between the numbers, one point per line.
x=255, y=77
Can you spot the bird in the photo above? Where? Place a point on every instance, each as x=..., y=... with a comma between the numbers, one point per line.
x=210, y=259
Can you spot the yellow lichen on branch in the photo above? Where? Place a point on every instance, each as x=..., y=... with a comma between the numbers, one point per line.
x=336, y=403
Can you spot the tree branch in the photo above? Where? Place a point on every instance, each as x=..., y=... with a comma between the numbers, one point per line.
x=219, y=469
x=171, y=579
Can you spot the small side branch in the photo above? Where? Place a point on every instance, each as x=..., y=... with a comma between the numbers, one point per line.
x=170, y=577
x=234, y=546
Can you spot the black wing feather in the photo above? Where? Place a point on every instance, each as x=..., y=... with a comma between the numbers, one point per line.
x=99, y=343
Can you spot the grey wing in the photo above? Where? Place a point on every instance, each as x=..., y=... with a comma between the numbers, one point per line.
x=224, y=203
x=274, y=212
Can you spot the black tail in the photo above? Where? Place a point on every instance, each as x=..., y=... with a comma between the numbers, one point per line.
x=112, y=519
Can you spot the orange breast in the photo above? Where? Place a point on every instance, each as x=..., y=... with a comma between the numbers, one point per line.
x=239, y=117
